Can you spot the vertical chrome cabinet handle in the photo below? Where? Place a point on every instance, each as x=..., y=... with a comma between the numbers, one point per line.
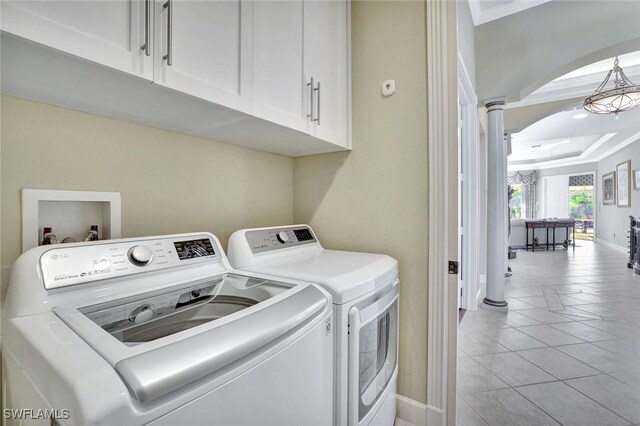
x=317, y=120
x=146, y=46
x=310, y=86
x=167, y=57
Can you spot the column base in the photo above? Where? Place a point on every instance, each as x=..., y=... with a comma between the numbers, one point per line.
x=492, y=305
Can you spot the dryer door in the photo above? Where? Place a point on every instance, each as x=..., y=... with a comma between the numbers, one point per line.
x=373, y=353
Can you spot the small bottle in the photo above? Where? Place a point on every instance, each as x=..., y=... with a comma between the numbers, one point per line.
x=92, y=235
x=49, y=237
x=95, y=228
x=46, y=230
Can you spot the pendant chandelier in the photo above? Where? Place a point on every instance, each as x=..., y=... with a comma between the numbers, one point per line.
x=623, y=97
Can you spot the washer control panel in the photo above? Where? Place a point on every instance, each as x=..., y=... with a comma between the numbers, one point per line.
x=63, y=266
x=264, y=240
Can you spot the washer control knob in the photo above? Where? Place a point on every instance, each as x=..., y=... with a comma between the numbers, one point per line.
x=143, y=316
x=140, y=255
x=282, y=237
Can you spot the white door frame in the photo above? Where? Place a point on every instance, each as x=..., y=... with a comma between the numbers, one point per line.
x=442, y=105
x=469, y=167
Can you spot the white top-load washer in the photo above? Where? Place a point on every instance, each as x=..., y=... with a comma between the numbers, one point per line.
x=364, y=288
x=162, y=331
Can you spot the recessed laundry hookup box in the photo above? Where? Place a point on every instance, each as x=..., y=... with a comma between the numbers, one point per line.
x=70, y=214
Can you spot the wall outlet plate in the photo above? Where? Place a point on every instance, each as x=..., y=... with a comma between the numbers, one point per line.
x=388, y=88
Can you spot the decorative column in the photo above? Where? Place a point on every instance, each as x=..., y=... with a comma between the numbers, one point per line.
x=497, y=213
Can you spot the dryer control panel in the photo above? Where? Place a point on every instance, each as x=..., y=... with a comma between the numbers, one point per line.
x=64, y=266
x=264, y=240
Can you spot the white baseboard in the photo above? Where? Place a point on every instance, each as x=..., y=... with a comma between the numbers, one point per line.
x=612, y=245
x=411, y=411
x=482, y=290
x=479, y=299
x=435, y=417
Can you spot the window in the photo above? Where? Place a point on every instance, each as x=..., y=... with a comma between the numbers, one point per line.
x=522, y=195
x=515, y=201
x=581, y=202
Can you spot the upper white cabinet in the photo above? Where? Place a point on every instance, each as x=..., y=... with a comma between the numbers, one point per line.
x=266, y=74
x=204, y=49
x=300, y=66
x=111, y=32
x=325, y=61
x=279, y=90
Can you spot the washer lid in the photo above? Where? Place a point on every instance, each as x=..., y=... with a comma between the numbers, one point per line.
x=346, y=275
x=193, y=331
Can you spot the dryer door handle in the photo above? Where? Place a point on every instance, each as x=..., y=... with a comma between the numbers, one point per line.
x=368, y=313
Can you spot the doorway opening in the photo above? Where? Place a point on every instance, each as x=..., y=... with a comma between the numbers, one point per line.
x=572, y=196
x=581, y=205
x=468, y=192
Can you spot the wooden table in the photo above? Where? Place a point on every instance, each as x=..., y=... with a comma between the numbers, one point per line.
x=550, y=224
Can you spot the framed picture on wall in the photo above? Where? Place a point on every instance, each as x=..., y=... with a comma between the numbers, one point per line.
x=609, y=188
x=623, y=179
x=636, y=180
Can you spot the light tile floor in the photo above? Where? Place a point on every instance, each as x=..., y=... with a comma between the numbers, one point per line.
x=568, y=350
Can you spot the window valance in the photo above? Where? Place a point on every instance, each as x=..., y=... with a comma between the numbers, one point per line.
x=525, y=179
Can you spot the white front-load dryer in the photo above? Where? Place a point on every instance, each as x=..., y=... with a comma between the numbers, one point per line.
x=364, y=288
x=162, y=331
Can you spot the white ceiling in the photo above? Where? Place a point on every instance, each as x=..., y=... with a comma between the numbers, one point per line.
x=628, y=61
x=528, y=151
x=561, y=139
x=574, y=136
x=483, y=11
x=582, y=82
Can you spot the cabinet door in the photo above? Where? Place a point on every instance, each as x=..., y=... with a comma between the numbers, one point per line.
x=203, y=48
x=279, y=89
x=325, y=59
x=109, y=32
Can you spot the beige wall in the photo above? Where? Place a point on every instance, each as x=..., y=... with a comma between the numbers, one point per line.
x=169, y=182
x=374, y=199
